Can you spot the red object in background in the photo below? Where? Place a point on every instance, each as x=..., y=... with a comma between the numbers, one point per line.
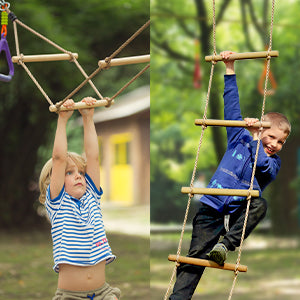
x=197, y=78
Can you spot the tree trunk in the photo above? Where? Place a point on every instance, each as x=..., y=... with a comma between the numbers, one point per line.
x=283, y=203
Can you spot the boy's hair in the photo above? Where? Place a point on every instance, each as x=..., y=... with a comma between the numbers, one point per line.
x=279, y=120
x=45, y=175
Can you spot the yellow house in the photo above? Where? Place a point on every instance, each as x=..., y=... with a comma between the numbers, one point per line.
x=124, y=140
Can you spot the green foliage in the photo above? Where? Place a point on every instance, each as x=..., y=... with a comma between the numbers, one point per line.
x=92, y=29
x=175, y=104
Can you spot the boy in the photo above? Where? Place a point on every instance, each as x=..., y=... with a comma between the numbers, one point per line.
x=234, y=171
x=70, y=190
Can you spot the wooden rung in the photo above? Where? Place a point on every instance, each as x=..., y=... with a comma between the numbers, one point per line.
x=245, y=55
x=230, y=123
x=223, y=192
x=206, y=263
x=80, y=105
x=124, y=61
x=43, y=57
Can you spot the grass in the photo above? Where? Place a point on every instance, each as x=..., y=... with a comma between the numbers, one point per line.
x=26, y=266
x=273, y=271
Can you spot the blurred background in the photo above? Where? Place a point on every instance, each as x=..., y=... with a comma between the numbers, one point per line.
x=94, y=30
x=181, y=36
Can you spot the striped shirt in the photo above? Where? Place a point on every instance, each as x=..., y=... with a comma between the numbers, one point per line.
x=78, y=232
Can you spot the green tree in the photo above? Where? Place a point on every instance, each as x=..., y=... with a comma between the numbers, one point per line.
x=241, y=27
x=92, y=29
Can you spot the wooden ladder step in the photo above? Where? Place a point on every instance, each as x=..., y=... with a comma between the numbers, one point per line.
x=125, y=61
x=245, y=55
x=43, y=57
x=230, y=123
x=223, y=192
x=80, y=105
x=206, y=263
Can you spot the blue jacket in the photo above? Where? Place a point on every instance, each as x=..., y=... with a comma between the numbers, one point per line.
x=235, y=169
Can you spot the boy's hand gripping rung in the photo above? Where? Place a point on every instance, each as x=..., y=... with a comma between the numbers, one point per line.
x=230, y=123
x=245, y=55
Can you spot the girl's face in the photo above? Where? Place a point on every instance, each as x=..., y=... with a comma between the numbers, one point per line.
x=75, y=183
x=273, y=140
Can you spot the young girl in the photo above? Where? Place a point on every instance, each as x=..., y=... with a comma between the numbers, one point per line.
x=70, y=190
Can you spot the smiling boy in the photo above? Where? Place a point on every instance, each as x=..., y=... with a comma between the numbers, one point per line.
x=224, y=215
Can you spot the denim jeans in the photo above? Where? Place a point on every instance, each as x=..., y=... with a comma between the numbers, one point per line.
x=208, y=226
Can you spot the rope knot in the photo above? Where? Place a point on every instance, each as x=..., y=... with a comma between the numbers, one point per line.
x=109, y=101
x=21, y=59
x=107, y=61
x=249, y=195
x=72, y=57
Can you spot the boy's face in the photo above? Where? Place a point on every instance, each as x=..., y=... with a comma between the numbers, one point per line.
x=273, y=139
x=75, y=183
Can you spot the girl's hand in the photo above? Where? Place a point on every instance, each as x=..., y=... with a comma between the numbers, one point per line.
x=88, y=111
x=67, y=113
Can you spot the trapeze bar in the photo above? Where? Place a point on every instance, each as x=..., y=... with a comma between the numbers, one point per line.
x=80, y=105
x=206, y=263
x=223, y=192
x=245, y=55
x=124, y=61
x=43, y=57
x=230, y=123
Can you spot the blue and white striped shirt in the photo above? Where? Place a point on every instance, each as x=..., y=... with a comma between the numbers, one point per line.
x=78, y=232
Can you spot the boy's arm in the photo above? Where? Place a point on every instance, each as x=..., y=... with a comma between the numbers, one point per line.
x=231, y=97
x=59, y=153
x=91, y=142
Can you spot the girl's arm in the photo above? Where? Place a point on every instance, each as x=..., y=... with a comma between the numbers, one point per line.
x=59, y=153
x=91, y=146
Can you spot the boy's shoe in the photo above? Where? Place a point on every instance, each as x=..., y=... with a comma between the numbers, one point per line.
x=218, y=254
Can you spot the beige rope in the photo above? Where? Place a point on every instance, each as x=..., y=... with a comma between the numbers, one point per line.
x=256, y=154
x=73, y=59
x=35, y=81
x=196, y=161
x=129, y=82
x=107, y=60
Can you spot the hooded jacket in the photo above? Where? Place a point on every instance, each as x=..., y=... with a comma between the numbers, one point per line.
x=235, y=168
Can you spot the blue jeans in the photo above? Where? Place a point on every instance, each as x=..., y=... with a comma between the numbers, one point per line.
x=208, y=226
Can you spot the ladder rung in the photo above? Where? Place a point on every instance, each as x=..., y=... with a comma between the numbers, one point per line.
x=223, y=192
x=206, y=263
x=80, y=105
x=245, y=55
x=43, y=57
x=125, y=61
x=230, y=123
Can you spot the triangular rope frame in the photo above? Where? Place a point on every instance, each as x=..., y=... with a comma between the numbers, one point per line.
x=67, y=55
x=214, y=61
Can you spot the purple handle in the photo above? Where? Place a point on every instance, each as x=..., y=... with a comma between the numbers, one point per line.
x=4, y=47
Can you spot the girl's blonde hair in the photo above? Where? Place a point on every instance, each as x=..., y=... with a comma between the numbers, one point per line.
x=45, y=175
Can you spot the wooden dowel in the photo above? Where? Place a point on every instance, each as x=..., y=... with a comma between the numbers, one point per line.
x=125, y=61
x=206, y=263
x=230, y=123
x=80, y=105
x=220, y=192
x=245, y=55
x=43, y=57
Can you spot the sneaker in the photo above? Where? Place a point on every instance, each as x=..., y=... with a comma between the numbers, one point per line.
x=218, y=254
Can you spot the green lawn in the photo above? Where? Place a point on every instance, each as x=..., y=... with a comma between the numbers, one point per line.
x=273, y=271
x=26, y=266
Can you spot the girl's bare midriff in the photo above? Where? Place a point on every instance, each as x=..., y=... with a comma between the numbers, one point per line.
x=76, y=278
